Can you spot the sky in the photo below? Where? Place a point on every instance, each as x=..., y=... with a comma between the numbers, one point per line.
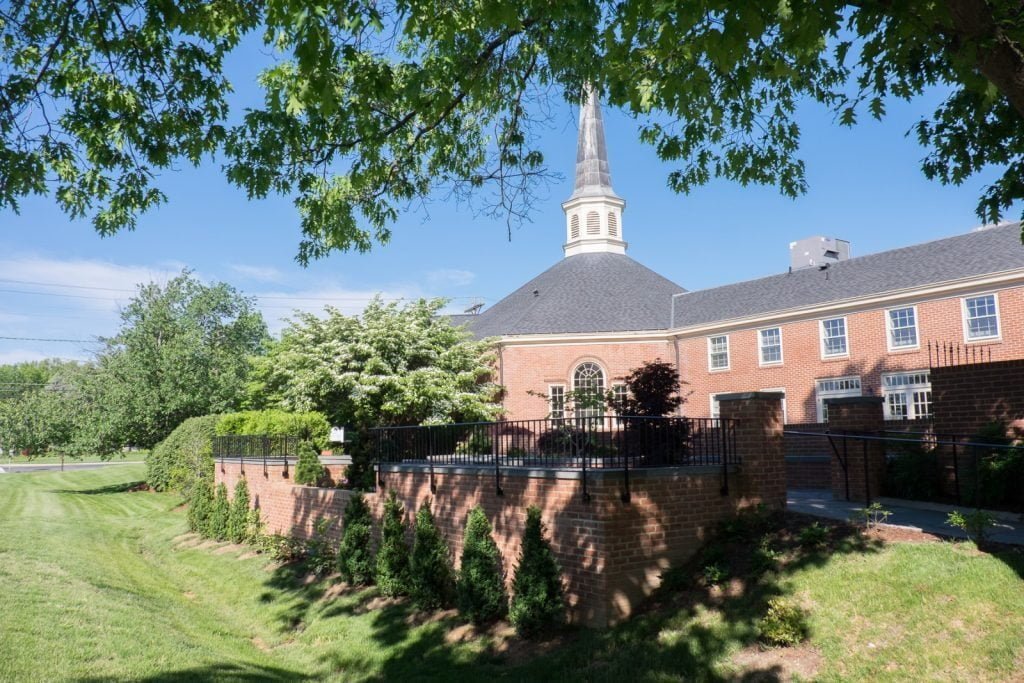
x=59, y=280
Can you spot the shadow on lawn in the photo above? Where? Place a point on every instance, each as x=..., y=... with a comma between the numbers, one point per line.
x=215, y=672
x=120, y=487
x=687, y=629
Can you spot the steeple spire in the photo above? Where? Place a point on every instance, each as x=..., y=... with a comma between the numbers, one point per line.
x=593, y=212
x=593, y=178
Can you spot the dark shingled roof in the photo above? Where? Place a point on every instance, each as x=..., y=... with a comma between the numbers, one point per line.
x=598, y=292
x=982, y=252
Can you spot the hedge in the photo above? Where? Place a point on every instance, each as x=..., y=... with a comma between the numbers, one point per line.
x=184, y=457
x=312, y=425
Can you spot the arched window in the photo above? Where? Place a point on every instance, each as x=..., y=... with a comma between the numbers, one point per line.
x=588, y=388
x=593, y=223
x=613, y=225
x=574, y=226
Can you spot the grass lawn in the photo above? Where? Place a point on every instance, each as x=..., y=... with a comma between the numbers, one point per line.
x=132, y=456
x=100, y=583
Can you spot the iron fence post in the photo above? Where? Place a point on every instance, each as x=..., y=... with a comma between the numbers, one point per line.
x=497, y=466
x=867, y=483
x=956, y=475
x=627, y=496
x=725, y=456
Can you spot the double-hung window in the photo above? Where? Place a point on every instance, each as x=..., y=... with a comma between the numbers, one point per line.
x=902, y=324
x=556, y=401
x=718, y=352
x=908, y=395
x=833, y=338
x=770, y=343
x=981, y=317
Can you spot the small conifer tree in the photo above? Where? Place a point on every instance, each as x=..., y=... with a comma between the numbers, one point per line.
x=432, y=582
x=481, y=585
x=308, y=470
x=238, y=518
x=393, y=556
x=199, y=507
x=537, y=601
x=355, y=555
x=220, y=513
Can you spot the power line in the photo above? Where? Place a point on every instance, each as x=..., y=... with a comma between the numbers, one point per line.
x=41, y=339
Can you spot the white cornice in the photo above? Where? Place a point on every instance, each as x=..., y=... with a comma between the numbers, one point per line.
x=941, y=290
x=563, y=339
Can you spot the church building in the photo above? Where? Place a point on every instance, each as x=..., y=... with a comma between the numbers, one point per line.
x=829, y=326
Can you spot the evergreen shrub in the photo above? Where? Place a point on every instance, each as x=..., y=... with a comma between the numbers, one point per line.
x=311, y=426
x=783, y=625
x=308, y=470
x=431, y=576
x=321, y=559
x=219, y=514
x=184, y=457
x=200, y=506
x=393, y=556
x=538, y=604
x=481, y=583
x=355, y=555
x=238, y=518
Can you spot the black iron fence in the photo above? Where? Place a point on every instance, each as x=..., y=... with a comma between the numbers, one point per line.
x=256, y=446
x=584, y=443
x=942, y=468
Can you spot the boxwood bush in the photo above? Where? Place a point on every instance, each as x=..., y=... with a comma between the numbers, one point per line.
x=184, y=457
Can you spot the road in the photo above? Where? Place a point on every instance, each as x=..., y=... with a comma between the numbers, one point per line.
x=68, y=466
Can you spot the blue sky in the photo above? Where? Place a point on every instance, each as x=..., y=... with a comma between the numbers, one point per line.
x=865, y=186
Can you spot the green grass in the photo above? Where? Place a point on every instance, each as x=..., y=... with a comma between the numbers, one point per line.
x=132, y=456
x=98, y=585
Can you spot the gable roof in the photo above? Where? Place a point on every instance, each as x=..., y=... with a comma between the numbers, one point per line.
x=598, y=292
x=982, y=252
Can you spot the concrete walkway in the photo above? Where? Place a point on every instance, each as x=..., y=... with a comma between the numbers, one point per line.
x=927, y=517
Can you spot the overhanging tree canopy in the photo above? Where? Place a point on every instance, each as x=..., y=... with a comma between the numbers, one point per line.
x=374, y=105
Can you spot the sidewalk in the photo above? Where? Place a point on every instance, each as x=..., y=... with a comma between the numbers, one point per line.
x=929, y=518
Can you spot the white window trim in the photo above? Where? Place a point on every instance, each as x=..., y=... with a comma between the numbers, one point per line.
x=819, y=400
x=780, y=390
x=711, y=406
x=963, y=318
x=821, y=337
x=888, y=330
x=908, y=391
x=728, y=354
x=550, y=401
x=782, y=354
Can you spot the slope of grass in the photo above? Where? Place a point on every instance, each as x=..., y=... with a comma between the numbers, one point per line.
x=99, y=584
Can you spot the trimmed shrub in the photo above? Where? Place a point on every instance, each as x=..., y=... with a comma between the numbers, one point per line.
x=308, y=470
x=184, y=457
x=914, y=472
x=783, y=625
x=537, y=601
x=238, y=518
x=431, y=581
x=219, y=514
x=200, y=506
x=990, y=477
x=355, y=555
x=254, y=527
x=320, y=556
x=481, y=584
x=393, y=556
x=312, y=426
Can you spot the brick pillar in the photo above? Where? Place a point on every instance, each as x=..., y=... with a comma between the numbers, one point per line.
x=859, y=415
x=757, y=416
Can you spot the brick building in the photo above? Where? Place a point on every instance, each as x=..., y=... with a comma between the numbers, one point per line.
x=831, y=326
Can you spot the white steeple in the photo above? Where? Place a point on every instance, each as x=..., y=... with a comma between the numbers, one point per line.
x=593, y=213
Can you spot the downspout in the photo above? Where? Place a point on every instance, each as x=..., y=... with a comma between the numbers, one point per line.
x=679, y=371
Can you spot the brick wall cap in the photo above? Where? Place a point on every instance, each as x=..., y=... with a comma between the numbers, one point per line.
x=748, y=395
x=855, y=400
x=557, y=473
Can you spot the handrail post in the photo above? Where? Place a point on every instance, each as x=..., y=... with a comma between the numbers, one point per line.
x=956, y=475
x=497, y=467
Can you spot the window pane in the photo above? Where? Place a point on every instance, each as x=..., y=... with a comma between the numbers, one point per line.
x=556, y=397
x=718, y=352
x=982, y=320
x=771, y=345
x=902, y=328
x=897, y=406
x=588, y=386
x=922, y=404
x=834, y=336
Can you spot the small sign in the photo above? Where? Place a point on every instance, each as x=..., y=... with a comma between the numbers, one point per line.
x=337, y=435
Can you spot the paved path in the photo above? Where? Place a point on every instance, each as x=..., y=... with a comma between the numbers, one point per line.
x=68, y=466
x=927, y=517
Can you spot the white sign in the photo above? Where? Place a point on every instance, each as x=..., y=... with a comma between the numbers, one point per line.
x=337, y=435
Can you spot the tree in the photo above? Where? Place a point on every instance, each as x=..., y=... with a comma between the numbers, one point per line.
x=182, y=351
x=481, y=584
x=39, y=421
x=20, y=378
x=538, y=603
x=432, y=580
x=308, y=470
x=652, y=390
x=368, y=107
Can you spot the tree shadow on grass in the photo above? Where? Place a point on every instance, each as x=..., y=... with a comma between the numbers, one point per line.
x=236, y=673
x=120, y=487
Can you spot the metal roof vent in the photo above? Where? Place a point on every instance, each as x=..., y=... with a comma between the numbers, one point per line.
x=817, y=252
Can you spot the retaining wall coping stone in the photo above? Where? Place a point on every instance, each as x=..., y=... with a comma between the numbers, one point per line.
x=747, y=395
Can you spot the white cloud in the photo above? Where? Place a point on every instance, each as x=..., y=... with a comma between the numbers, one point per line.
x=453, y=277
x=258, y=273
x=21, y=356
x=278, y=306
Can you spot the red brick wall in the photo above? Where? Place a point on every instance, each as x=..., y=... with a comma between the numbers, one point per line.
x=869, y=357
x=612, y=552
x=966, y=397
x=526, y=368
